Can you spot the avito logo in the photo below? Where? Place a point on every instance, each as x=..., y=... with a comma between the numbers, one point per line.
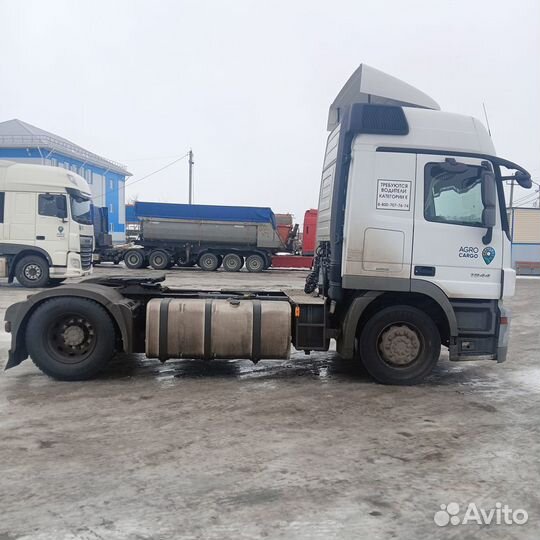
x=500, y=515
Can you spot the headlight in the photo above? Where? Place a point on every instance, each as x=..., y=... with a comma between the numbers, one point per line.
x=76, y=263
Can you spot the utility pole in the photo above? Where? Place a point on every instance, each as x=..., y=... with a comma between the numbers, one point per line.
x=512, y=194
x=191, y=162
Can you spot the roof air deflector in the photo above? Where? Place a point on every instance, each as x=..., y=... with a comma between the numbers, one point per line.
x=369, y=85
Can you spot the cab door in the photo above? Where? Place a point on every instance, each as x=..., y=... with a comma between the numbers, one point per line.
x=451, y=247
x=52, y=232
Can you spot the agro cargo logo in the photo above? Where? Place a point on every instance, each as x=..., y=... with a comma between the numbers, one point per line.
x=468, y=252
x=500, y=515
x=473, y=252
x=488, y=254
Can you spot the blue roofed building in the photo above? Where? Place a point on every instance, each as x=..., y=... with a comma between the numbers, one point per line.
x=25, y=143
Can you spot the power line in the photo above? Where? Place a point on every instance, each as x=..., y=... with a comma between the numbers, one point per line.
x=157, y=170
x=530, y=198
x=126, y=184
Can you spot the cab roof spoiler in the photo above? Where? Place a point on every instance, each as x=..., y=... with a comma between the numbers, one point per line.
x=369, y=85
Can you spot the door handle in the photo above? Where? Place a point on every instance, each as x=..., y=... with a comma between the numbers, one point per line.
x=40, y=237
x=428, y=271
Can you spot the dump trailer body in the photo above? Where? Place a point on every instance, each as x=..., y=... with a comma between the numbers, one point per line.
x=205, y=235
x=209, y=233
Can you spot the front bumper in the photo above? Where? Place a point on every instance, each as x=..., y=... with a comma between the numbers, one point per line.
x=72, y=270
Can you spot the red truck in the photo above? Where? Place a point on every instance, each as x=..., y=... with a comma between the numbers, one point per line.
x=305, y=241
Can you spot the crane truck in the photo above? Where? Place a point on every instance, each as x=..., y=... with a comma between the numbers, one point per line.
x=413, y=254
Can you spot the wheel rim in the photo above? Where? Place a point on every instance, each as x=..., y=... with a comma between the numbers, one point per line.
x=400, y=344
x=159, y=260
x=72, y=338
x=208, y=262
x=134, y=259
x=32, y=272
x=256, y=263
x=232, y=262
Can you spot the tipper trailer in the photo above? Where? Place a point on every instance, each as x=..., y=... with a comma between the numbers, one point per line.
x=413, y=253
x=206, y=235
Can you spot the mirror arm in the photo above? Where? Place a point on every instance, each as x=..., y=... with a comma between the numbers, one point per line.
x=486, y=239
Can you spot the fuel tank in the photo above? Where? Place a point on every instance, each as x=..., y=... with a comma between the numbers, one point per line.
x=217, y=328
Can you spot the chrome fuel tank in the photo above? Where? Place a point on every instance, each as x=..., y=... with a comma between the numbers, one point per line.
x=217, y=328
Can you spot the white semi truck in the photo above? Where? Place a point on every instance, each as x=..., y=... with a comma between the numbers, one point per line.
x=46, y=232
x=413, y=254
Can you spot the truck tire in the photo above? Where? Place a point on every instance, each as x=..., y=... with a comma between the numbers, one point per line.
x=159, y=259
x=232, y=262
x=134, y=259
x=255, y=263
x=32, y=271
x=70, y=339
x=399, y=345
x=208, y=262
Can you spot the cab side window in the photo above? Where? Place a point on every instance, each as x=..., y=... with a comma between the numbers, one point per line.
x=52, y=205
x=453, y=196
x=2, y=202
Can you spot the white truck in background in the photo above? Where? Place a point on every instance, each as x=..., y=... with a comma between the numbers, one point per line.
x=46, y=232
x=413, y=254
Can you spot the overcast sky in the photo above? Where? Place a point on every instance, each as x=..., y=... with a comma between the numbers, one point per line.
x=247, y=84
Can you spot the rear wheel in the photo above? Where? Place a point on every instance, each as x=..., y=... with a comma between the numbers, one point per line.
x=399, y=345
x=134, y=259
x=159, y=259
x=70, y=339
x=255, y=263
x=232, y=262
x=32, y=271
x=208, y=262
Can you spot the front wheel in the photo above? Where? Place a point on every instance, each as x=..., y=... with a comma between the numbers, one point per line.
x=32, y=271
x=70, y=339
x=399, y=345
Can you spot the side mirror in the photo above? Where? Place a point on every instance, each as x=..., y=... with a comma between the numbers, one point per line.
x=61, y=207
x=523, y=179
x=489, y=200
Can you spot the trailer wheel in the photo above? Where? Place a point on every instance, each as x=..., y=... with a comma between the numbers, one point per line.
x=70, y=339
x=399, y=345
x=208, y=262
x=32, y=271
x=134, y=259
x=159, y=259
x=255, y=263
x=232, y=262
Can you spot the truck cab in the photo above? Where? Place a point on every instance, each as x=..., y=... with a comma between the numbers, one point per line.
x=412, y=213
x=46, y=232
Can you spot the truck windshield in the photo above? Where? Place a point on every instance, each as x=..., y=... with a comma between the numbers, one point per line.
x=81, y=209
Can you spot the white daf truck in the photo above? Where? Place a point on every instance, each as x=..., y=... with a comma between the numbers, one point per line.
x=413, y=254
x=46, y=232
